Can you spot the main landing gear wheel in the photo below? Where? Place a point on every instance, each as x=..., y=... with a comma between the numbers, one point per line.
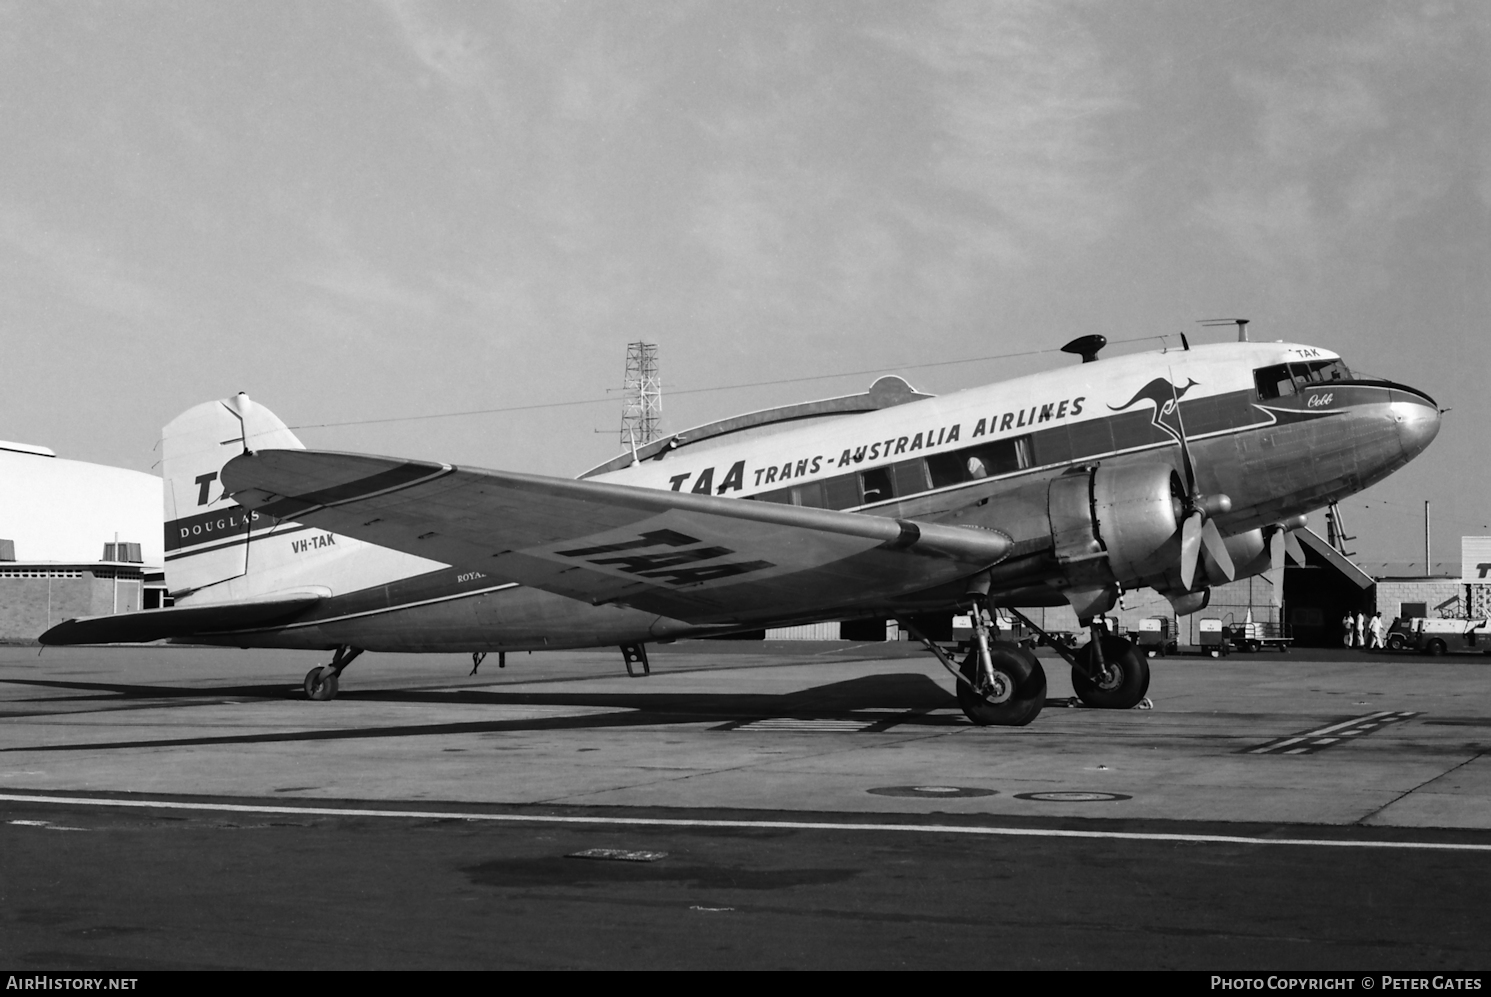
x=321, y=683
x=1124, y=681
x=1015, y=696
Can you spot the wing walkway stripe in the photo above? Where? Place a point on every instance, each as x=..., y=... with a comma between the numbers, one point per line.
x=801, y=825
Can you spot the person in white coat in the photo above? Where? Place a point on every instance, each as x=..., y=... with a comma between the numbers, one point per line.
x=1376, y=632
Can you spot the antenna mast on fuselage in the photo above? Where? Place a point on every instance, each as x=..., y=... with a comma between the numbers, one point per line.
x=1241, y=323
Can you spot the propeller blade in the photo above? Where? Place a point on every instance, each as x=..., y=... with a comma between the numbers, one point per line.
x=1190, y=547
x=1279, y=542
x=1291, y=544
x=1275, y=572
x=1185, y=448
x=1216, y=549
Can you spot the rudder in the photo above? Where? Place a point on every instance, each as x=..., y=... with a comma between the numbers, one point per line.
x=207, y=535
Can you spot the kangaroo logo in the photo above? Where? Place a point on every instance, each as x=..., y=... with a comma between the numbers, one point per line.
x=1164, y=397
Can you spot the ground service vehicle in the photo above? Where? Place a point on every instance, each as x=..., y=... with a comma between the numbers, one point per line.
x=1400, y=633
x=1441, y=636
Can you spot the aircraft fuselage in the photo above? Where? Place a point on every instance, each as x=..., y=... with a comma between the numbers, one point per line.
x=1280, y=429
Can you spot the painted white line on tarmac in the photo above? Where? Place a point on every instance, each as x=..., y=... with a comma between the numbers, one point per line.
x=801, y=825
x=1347, y=723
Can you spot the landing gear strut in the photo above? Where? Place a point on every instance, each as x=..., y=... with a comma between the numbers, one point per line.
x=999, y=684
x=321, y=681
x=1112, y=674
x=633, y=655
x=1109, y=673
x=477, y=657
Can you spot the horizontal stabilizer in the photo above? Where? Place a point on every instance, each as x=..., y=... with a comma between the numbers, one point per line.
x=177, y=621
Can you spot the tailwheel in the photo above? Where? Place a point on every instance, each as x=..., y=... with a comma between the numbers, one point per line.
x=321, y=683
x=1123, y=681
x=1011, y=696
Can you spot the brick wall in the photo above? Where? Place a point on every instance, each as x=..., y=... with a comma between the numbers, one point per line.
x=35, y=597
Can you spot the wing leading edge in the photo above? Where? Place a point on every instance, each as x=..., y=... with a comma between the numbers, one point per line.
x=697, y=558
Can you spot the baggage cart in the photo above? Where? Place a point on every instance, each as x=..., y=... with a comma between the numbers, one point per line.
x=1212, y=638
x=1252, y=637
x=1156, y=637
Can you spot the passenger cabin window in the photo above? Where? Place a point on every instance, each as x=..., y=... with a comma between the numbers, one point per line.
x=841, y=492
x=876, y=484
x=983, y=461
x=910, y=477
x=906, y=478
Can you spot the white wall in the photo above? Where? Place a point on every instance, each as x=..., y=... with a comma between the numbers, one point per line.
x=812, y=631
x=66, y=510
x=1433, y=592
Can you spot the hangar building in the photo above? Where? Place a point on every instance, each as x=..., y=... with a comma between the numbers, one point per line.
x=76, y=539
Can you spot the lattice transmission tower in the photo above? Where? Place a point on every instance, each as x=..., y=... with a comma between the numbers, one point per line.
x=643, y=407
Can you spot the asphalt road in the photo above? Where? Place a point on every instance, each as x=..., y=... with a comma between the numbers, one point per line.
x=427, y=819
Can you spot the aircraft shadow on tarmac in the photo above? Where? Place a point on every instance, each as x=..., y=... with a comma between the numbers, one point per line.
x=913, y=693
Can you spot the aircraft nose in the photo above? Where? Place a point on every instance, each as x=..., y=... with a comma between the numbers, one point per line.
x=1418, y=420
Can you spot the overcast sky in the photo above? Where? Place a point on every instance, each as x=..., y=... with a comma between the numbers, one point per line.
x=357, y=211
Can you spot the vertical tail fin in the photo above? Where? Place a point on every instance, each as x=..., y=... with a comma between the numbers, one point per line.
x=217, y=551
x=207, y=535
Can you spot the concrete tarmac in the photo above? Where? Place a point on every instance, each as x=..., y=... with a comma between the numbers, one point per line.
x=820, y=804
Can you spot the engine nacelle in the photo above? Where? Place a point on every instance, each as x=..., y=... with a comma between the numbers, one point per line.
x=1116, y=523
x=1108, y=526
x=1249, y=552
x=1186, y=603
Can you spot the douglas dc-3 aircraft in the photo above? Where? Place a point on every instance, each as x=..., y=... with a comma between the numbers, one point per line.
x=1176, y=470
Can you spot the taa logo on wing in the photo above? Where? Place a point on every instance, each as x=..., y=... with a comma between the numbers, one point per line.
x=667, y=561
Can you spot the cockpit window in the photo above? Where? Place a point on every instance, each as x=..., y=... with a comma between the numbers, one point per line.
x=1317, y=371
x=1289, y=379
x=1274, y=381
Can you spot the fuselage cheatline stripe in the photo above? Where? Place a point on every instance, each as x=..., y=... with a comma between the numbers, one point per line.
x=267, y=535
